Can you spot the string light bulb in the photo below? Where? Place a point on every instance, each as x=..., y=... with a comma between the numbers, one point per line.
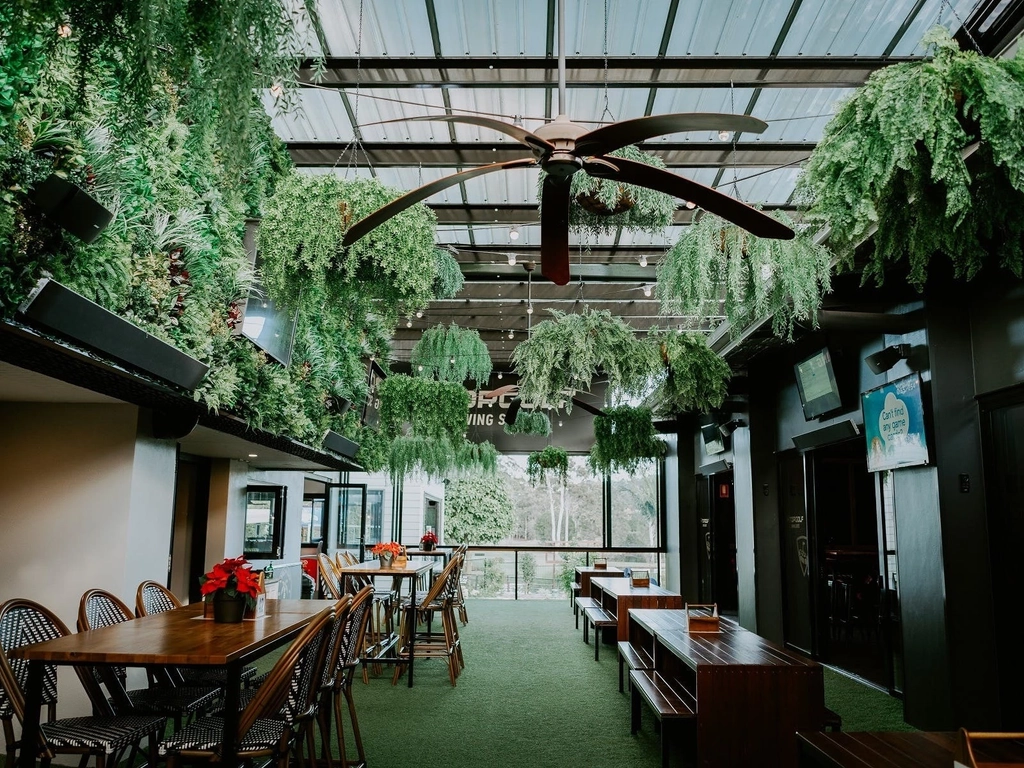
x=529, y=310
x=511, y=334
x=408, y=323
x=559, y=422
x=643, y=261
x=647, y=290
x=276, y=90
x=513, y=234
x=690, y=204
x=419, y=313
x=511, y=259
x=419, y=368
x=500, y=375
x=725, y=135
x=451, y=361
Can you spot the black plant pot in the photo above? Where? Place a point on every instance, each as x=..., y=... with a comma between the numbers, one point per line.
x=227, y=609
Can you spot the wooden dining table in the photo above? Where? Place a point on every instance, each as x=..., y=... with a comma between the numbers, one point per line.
x=180, y=638
x=411, y=570
x=618, y=596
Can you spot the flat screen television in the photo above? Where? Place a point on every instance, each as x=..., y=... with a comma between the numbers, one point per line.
x=894, y=425
x=269, y=327
x=816, y=381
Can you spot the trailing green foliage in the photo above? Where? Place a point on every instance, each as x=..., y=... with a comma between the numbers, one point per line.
x=477, y=509
x=624, y=438
x=551, y=462
x=529, y=423
x=695, y=377
x=449, y=280
x=757, y=277
x=899, y=138
x=226, y=49
x=433, y=409
x=393, y=266
x=439, y=457
x=564, y=354
x=594, y=201
x=451, y=354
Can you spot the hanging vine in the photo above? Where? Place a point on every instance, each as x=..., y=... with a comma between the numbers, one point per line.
x=451, y=354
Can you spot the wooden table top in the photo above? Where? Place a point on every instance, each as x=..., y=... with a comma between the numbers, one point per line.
x=736, y=646
x=178, y=637
x=373, y=568
x=616, y=587
x=916, y=749
x=592, y=570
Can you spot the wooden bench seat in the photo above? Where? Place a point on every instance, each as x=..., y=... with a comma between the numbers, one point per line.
x=574, y=592
x=669, y=703
x=634, y=657
x=581, y=604
x=600, y=618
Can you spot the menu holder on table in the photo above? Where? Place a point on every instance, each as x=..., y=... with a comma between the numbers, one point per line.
x=402, y=559
x=698, y=619
x=601, y=563
x=640, y=577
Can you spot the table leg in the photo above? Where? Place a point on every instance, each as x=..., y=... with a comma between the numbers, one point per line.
x=30, y=725
x=232, y=690
x=413, y=610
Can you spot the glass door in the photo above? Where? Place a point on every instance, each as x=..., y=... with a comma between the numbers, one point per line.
x=346, y=503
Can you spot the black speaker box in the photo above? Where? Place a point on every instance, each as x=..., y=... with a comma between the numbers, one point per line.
x=833, y=433
x=340, y=444
x=71, y=207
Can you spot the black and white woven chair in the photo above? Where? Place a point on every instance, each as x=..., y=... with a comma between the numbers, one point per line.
x=328, y=580
x=99, y=608
x=153, y=597
x=23, y=622
x=353, y=638
x=290, y=688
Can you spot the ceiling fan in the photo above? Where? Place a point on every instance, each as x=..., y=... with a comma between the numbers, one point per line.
x=562, y=148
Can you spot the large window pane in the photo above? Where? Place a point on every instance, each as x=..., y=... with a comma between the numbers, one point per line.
x=550, y=513
x=634, y=502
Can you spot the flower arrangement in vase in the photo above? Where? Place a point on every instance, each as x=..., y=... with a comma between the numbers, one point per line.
x=387, y=551
x=232, y=586
x=428, y=541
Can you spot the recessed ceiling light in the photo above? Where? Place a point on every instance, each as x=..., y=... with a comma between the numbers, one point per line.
x=253, y=455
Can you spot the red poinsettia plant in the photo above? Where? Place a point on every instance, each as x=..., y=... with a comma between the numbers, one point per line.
x=235, y=577
x=428, y=538
x=385, y=547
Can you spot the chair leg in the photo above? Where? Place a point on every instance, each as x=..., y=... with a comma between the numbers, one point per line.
x=597, y=643
x=621, y=670
x=634, y=710
x=355, y=724
x=666, y=745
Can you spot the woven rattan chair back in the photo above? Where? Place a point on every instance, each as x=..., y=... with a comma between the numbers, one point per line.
x=153, y=597
x=99, y=608
x=354, y=632
x=327, y=578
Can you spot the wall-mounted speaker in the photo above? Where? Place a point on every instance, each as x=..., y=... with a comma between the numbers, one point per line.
x=340, y=444
x=833, y=433
x=71, y=207
x=173, y=425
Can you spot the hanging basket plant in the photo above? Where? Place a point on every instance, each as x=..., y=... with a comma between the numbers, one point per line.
x=451, y=354
x=565, y=353
x=624, y=439
x=529, y=423
x=449, y=280
x=893, y=157
x=303, y=259
x=757, y=277
x=440, y=457
x=695, y=378
x=552, y=462
x=601, y=206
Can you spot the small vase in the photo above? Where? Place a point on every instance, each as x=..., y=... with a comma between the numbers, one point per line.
x=427, y=546
x=385, y=560
x=228, y=609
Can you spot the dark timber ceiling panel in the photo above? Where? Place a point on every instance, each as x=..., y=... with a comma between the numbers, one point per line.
x=787, y=62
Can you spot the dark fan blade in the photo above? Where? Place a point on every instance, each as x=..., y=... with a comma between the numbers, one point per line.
x=587, y=407
x=608, y=138
x=409, y=199
x=513, y=411
x=519, y=134
x=741, y=214
x=554, y=230
x=496, y=393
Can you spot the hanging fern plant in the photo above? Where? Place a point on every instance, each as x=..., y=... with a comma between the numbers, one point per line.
x=757, y=277
x=552, y=462
x=440, y=457
x=303, y=259
x=529, y=423
x=448, y=281
x=565, y=353
x=899, y=138
x=624, y=439
x=695, y=378
x=451, y=354
x=432, y=409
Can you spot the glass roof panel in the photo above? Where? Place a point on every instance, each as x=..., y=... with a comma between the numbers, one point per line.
x=492, y=27
x=319, y=115
x=953, y=13
x=796, y=114
x=726, y=28
x=634, y=28
x=389, y=28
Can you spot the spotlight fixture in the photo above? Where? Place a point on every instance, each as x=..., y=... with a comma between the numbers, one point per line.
x=643, y=261
x=419, y=313
x=512, y=259
x=647, y=290
x=880, y=362
x=513, y=234
x=724, y=135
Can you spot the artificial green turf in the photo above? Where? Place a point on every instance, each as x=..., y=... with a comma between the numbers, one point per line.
x=862, y=707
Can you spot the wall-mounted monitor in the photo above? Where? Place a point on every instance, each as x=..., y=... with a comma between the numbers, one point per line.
x=894, y=425
x=816, y=381
x=714, y=442
x=269, y=327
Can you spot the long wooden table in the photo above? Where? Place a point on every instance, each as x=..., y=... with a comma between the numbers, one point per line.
x=916, y=749
x=584, y=573
x=619, y=596
x=752, y=696
x=181, y=637
x=412, y=570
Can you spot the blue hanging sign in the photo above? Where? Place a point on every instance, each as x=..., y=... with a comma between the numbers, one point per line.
x=894, y=425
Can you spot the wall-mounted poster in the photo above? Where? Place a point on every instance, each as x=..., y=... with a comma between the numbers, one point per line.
x=894, y=425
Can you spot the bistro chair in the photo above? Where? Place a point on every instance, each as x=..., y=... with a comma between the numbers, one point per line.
x=107, y=738
x=99, y=608
x=353, y=639
x=460, y=596
x=262, y=731
x=153, y=597
x=328, y=578
x=446, y=644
